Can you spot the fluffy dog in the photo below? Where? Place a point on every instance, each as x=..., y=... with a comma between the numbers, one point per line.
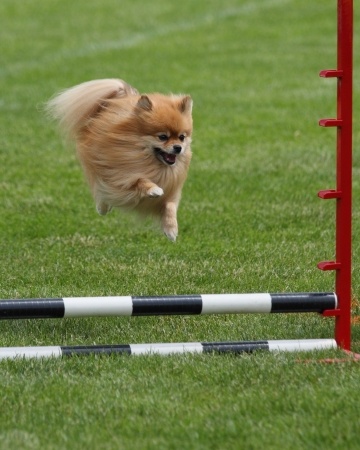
x=134, y=149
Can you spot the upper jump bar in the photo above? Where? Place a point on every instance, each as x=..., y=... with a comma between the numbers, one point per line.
x=46, y=308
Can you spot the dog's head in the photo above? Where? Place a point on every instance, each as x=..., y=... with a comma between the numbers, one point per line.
x=165, y=123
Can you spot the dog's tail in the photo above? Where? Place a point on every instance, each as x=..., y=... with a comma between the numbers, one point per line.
x=73, y=107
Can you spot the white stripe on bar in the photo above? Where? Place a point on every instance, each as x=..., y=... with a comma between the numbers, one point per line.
x=30, y=352
x=166, y=349
x=98, y=306
x=236, y=303
x=302, y=345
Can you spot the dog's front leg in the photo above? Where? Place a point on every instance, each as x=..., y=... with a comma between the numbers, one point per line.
x=147, y=188
x=169, y=221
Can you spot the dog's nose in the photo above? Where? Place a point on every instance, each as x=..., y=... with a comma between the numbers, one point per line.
x=177, y=149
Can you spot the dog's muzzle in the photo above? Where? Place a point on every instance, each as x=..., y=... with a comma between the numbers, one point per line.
x=168, y=158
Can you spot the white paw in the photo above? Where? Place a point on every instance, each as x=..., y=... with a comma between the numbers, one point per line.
x=155, y=191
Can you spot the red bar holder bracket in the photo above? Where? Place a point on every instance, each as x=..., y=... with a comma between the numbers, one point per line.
x=329, y=194
x=331, y=313
x=331, y=73
x=329, y=265
x=330, y=123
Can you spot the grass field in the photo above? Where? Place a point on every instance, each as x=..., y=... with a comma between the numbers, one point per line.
x=250, y=221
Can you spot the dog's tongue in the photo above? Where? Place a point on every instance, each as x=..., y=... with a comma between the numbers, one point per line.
x=170, y=159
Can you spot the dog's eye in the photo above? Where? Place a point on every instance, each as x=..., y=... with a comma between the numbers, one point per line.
x=163, y=137
x=182, y=137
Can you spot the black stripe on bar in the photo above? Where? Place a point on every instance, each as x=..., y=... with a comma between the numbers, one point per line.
x=234, y=347
x=302, y=302
x=95, y=349
x=180, y=304
x=32, y=308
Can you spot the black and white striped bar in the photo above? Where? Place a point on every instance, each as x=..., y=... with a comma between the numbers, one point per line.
x=168, y=349
x=38, y=308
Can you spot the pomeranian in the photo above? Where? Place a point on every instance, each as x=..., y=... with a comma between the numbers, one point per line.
x=134, y=149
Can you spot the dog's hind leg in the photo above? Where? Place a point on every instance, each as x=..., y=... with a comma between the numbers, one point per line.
x=102, y=208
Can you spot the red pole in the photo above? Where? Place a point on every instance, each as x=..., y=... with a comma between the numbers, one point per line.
x=343, y=192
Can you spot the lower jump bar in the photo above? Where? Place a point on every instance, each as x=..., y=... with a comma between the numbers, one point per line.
x=46, y=308
x=167, y=349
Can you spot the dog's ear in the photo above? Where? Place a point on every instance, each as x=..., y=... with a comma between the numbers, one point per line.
x=144, y=103
x=185, y=104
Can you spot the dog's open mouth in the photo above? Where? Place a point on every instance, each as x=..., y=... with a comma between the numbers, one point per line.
x=167, y=158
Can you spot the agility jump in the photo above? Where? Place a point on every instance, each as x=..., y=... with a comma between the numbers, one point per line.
x=337, y=304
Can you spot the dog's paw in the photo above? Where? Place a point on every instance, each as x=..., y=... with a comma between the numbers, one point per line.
x=155, y=191
x=171, y=233
x=103, y=208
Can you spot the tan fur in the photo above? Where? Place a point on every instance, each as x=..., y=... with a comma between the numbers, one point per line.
x=119, y=137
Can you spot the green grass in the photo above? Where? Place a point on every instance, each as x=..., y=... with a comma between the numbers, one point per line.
x=250, y=221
